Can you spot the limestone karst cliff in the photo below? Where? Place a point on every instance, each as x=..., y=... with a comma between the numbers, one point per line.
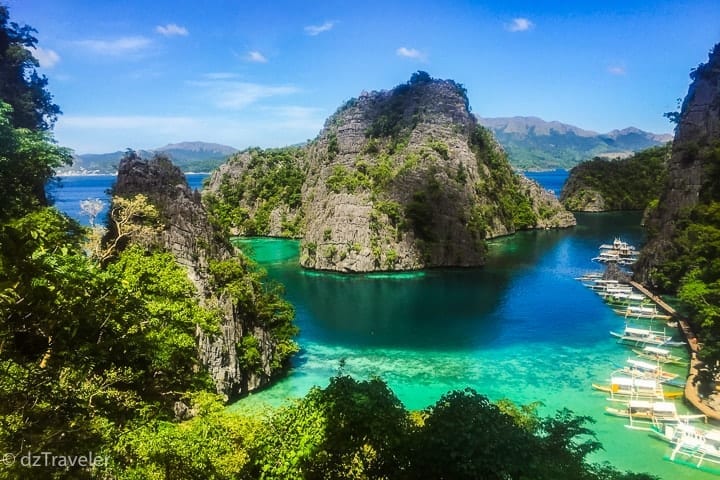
x=397, y=180
x=210, y=262
x=692, y=168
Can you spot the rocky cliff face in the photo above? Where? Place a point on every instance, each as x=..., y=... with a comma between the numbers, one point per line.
x=195, y=243
x=697, y=133
x=407, y=179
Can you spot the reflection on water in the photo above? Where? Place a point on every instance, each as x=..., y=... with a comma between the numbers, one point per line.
x=521, y=327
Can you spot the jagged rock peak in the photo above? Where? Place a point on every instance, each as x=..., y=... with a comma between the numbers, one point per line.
x=406, y=179
x=196, y=244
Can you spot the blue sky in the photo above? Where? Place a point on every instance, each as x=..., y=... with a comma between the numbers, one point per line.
x=142, y=74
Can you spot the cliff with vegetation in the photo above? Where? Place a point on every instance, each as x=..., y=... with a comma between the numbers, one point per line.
x=259, y=192
x=255, y=326
x=693, y=173
x=683, y=248
x=633, y=183
x=396, y=180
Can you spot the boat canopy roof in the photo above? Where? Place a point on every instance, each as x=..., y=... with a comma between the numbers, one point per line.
x=637, y=331
x=640, y=404
x=633, y=382
x=713, y=435
x=665, y=407
x=657, y=350
x=642, y=365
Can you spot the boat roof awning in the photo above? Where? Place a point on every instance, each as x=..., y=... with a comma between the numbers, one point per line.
x=656, y=350
x=644, y=383
x=640, y=404
x=642, y=365
x=664, y=407
x=637, y=331
x=622, y=381
x=713, y=435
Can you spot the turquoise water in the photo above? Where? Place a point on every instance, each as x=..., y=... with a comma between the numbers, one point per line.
x=521, y=327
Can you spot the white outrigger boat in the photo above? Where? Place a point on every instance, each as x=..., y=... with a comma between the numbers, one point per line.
x=690, y=441
x=644, y=336
x=660, y=355
x=642, y=369
x=617, y=252
x=649, y=414
x=624, y=388
x=642, y=311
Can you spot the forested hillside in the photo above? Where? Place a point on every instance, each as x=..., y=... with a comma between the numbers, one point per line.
x=632, y=183
x=101, y=374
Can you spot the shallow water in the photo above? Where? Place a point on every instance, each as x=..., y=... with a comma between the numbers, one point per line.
x=521, y=327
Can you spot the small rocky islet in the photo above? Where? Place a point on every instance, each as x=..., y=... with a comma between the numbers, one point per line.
x=396, y=180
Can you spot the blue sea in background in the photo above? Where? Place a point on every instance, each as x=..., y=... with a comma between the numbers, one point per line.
x=552, y=180
x=520, y=327
x=68, y=191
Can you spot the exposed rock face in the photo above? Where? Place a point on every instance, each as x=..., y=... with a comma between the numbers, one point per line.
x=406, y=179
x=698, y=131
x=403, y=179
x=194, y=242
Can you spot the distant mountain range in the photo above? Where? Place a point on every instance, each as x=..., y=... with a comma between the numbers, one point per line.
x=530, y=142
x=535, y=144
x=189, y=156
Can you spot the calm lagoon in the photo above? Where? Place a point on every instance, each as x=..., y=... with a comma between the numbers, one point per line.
x=521, y=327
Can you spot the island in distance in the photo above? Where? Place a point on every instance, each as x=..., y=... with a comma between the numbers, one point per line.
x=531, y=143
x=189, y=156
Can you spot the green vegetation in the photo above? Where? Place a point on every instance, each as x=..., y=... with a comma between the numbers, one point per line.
x=564, y=149
x=22, y=87
x=692, y=268
x=270, y=179
x=98, y=343
x=360, y=430
x=501, y=187
x=628, y=184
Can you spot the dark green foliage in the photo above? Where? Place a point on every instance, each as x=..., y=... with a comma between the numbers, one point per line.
x=27, y=161
x=261, y=305
x=20, y=84
x=272, y=178
x=502, y=186
x=359, y=429
x=628, y=184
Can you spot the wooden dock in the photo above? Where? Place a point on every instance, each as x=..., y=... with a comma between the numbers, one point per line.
x=691, y=393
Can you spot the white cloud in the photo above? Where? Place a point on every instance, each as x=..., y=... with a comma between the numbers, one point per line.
x=47, y=58
x=616, y=70
x=256, y=57
x=313, y=30
x=171, y=30
x=235, y=95
x=410, y=53
x=120, y=46
x=519, y=25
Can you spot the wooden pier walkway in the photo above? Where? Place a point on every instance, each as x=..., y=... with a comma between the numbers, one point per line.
x=691, y=393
